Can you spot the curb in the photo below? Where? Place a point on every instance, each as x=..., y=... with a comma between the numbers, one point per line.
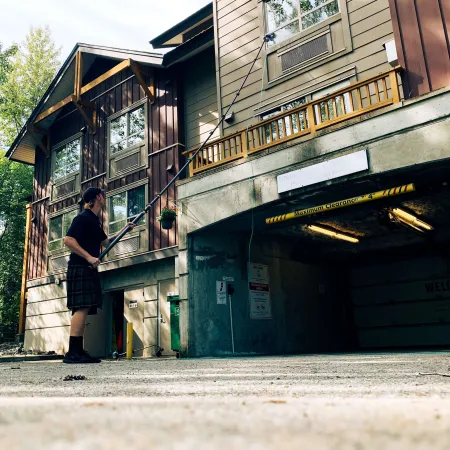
x=13, y=359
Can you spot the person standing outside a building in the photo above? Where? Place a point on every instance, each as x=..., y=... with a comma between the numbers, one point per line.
x=84, y=295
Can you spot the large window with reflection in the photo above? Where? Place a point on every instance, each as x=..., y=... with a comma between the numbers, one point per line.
x=124, y=207
x=286, y=18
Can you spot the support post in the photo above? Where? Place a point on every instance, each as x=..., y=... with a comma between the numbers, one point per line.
x=129, y=340
x=23, y=290
x=311, y=118
x=394, y=87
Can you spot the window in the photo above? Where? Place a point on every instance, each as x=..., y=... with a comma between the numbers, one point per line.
x=288, y=17
x=124, y=207
x=58, y=229
x=127, y=130
x=271, y=127
x=67, y=159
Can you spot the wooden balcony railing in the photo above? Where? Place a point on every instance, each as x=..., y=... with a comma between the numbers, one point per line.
x=359, y=98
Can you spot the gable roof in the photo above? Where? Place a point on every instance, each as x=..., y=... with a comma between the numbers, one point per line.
x=62, y=86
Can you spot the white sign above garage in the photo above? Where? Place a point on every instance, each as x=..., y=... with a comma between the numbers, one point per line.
x=324, y=171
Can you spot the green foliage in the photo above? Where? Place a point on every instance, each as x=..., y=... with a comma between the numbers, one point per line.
x=5, y=61
x=26, y=71
x=167, y=213
x=29, y=70
x=16, y=182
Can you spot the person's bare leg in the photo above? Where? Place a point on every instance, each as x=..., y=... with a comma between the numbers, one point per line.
x=78, y=322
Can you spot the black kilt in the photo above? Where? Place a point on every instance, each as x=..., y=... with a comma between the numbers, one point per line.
x=83, y=288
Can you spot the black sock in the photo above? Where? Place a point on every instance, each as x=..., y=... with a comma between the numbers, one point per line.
x=75, y=344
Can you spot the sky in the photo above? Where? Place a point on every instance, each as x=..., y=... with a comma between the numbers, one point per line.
x=129, y=24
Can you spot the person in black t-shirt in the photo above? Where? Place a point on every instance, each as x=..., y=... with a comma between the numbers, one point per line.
x=84, y=295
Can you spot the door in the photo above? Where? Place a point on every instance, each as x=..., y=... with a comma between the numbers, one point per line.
x=96, y=331
x=134, y=312
x=165, y=287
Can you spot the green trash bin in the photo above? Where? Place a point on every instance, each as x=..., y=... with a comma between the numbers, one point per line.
x=174, y=301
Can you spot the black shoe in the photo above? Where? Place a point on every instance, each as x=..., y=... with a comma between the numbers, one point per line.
x=80, y=358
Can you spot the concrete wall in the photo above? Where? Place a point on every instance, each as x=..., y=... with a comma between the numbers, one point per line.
x=307, y=313
x=402, y=303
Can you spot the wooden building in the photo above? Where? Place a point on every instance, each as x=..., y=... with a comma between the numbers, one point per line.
x=125, y=120
x=110, y=119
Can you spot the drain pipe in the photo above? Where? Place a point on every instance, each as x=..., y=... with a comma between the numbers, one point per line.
x=23, y=291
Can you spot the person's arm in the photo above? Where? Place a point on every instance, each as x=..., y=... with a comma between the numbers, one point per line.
x=108, y=241
x=75, y=247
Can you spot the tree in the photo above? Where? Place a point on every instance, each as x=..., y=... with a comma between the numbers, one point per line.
x=16, y=182
x=26, y=70
x=32, y=67
x=5, y=61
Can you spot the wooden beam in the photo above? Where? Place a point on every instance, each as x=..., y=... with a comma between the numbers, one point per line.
x=32, y=130
x=116, y=69
x=78, y=75
x=55, y=108
x=87, y=119
x=137, y=70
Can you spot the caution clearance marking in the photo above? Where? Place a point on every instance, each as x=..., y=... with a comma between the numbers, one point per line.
x=406, y=188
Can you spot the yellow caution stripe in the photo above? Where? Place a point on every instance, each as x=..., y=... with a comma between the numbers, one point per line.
x=406, y=188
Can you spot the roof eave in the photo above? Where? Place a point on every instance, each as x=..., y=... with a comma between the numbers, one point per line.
x=201, y=14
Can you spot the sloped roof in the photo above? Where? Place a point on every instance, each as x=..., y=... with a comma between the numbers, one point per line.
x=62, y=85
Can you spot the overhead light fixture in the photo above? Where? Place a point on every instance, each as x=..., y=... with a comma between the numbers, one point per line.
x=333, y=234
x=409, y=219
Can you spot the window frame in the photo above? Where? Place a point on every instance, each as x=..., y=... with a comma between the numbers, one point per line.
x=132, y=149
x=126, y=189
x=63, y=249
x=298, y=19
x=58, y=148
x=73, y=176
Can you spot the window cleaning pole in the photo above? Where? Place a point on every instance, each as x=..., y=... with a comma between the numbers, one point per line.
x=267, y=38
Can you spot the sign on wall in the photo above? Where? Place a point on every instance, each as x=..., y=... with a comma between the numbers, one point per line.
x=324, y=171
x=259, y=291
x=221, y=292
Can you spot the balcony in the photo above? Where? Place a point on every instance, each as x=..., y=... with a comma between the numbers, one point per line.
x=357, y=99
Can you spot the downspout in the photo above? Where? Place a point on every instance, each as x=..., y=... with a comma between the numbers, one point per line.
x=23, y=291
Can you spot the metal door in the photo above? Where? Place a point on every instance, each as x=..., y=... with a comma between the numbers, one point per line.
x=96, y=330
x=164, y=288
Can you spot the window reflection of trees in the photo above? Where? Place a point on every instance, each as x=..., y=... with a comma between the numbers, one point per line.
x=124, y=207
x=127, y=130
x=67, y=159
x=283, y=16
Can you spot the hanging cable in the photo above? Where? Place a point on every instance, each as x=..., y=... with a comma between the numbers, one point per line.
x=267, y=38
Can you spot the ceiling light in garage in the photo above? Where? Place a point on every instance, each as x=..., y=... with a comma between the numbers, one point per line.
x=333, y=234
x=410, y=220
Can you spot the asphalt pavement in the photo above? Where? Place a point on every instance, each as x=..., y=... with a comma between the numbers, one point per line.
x=358, y=401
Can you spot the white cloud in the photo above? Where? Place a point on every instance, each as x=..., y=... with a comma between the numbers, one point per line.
x=114, y=23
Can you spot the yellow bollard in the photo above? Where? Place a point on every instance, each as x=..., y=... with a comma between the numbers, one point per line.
x=129, y=340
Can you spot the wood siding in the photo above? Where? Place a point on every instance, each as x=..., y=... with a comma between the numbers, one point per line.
x=200, y=98
x=422, y=30
x=239, y=28
x=113, y=95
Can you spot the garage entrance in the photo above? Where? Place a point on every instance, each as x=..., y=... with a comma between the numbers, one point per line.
x=393, y=259
x=369, y=276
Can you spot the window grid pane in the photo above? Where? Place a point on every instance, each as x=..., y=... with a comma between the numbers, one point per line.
x=283, y=16
x=67, y=160
x=136, y=203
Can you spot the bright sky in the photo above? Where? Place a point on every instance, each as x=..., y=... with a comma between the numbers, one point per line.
x=127, y=24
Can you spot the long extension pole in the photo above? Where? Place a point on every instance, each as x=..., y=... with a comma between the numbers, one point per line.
x=267, y=38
